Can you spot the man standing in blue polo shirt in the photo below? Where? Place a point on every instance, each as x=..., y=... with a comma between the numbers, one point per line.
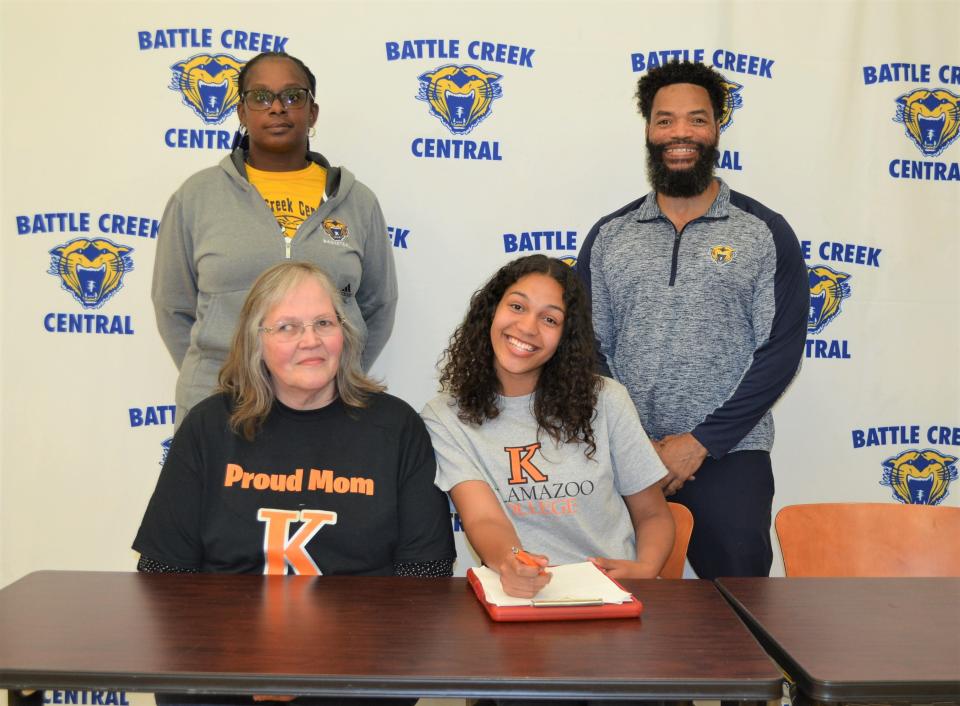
x=700, y=305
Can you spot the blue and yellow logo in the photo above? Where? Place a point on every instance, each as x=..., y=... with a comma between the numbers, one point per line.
x=460, y=96
x=568, y=260
x=721, y=254
x=930, y=118
x=91, y=270
x=828, y=289
x=335, y=229
x=919, y=477
x=209, y=85
x=733, y=101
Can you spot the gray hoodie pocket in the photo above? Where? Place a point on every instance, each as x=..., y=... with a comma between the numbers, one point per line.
x=216, y=327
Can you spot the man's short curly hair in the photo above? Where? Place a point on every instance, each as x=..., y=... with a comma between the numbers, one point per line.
x=680, y=72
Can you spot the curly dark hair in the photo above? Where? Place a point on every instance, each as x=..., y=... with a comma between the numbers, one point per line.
x=568, y=386
x=680, y=72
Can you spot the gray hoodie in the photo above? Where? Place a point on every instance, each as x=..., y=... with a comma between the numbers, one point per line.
x=217, y=235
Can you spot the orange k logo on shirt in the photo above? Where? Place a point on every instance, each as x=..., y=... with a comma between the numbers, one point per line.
x=521, y=464
x=279, y=550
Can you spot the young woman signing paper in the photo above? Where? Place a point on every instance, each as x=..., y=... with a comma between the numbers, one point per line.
x=536, y=450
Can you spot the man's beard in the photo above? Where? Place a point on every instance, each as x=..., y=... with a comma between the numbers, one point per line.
x=681, y=182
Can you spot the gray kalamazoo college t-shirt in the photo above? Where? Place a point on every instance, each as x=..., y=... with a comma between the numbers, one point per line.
x=562, y=504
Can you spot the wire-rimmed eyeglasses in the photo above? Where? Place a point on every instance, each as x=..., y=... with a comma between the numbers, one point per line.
x=289, y=331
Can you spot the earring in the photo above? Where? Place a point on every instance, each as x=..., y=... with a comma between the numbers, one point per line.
x=239, y=136
x=312, y=132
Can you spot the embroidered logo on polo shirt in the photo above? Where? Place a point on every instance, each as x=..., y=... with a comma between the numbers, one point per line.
x=721, y=254
x=335, y=229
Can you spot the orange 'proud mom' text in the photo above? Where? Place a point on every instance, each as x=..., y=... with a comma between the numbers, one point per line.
x=324, y=481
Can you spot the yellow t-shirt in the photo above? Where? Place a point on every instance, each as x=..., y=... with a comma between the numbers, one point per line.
x=292, y=196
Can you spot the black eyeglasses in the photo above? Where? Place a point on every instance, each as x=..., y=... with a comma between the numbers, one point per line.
x=262, y=99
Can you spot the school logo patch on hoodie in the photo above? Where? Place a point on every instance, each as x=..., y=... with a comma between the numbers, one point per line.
x=335, y=229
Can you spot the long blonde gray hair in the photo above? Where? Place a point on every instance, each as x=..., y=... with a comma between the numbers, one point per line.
x=245, y=376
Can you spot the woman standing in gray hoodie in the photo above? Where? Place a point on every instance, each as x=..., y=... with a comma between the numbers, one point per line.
x=271, y=199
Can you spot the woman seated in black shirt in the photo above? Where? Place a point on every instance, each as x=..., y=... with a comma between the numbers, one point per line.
x=299, y=464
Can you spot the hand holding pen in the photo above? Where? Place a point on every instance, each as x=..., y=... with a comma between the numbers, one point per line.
x=537, y=562
x=523, y=574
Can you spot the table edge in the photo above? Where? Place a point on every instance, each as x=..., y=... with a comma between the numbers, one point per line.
x=827, y=690
x=361, y=685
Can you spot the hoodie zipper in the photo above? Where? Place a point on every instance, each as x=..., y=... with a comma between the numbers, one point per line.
x=287, y=242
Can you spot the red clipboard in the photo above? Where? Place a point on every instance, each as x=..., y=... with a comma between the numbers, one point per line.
x=630, y=609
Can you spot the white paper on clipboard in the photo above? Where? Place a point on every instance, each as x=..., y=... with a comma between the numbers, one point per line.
x=571, y=583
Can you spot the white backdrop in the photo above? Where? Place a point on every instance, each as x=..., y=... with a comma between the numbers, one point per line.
x=89, y=119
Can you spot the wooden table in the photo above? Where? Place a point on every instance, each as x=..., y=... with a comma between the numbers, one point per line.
x=364, y=637
x=858, y=639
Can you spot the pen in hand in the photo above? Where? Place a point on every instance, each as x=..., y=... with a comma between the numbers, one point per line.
x=524, y=558
x=516, y=577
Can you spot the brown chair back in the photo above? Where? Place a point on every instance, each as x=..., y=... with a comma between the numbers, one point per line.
x=683, y=520
x=869, y=539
